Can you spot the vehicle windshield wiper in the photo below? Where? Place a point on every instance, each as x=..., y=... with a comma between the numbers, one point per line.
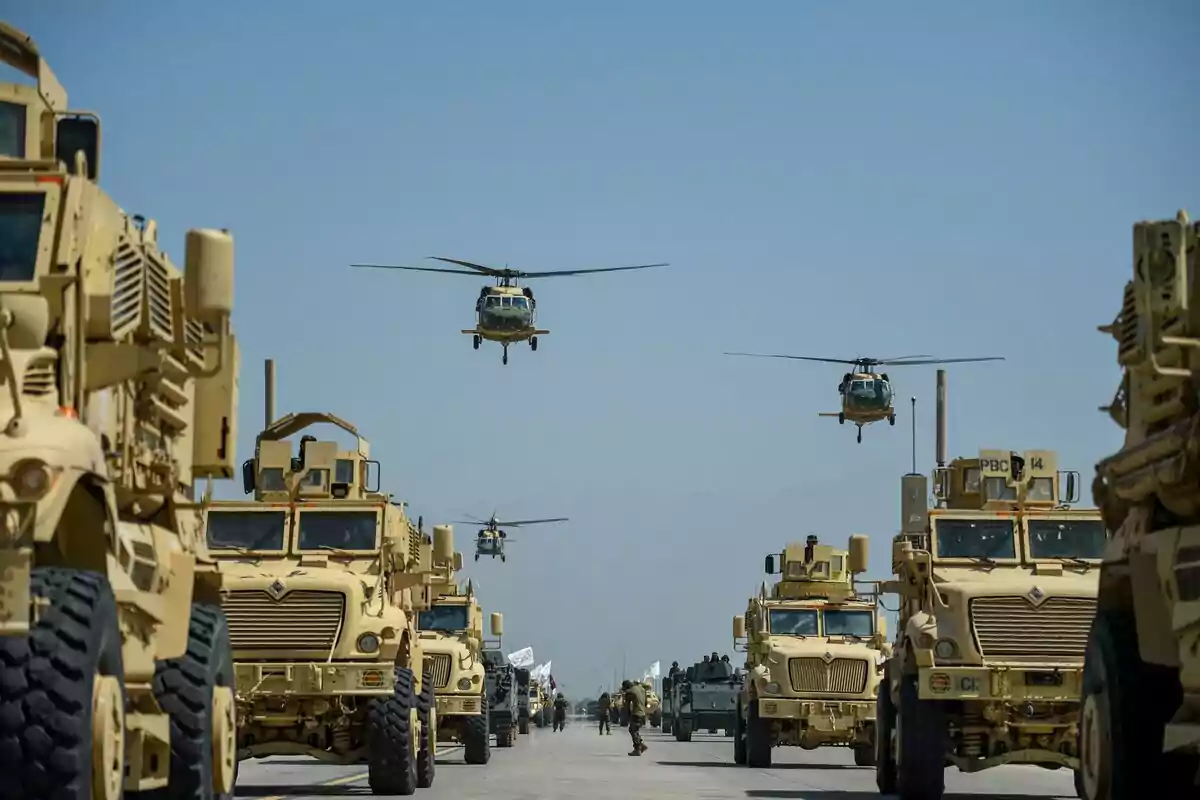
x=340, y=551
x=1075, y=560
x=983, y=560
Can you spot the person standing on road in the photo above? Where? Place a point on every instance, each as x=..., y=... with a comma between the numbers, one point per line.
x=560, y=712
x=604, y=712
x=635, y=701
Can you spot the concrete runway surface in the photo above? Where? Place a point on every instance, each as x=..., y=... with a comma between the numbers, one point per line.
x=579, y=764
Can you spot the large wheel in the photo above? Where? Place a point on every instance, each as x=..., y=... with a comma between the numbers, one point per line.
x=885, y=724
x=197, y=692
x=391, y=740
x=921, y=745
x=477, y=744
x=1126, y=704
x=427, y=713
x=864, y=755
x=683, y=731
x=758, y=738
x=739, y=736
x=523, y=725
x=62, y=693
x=667, y=723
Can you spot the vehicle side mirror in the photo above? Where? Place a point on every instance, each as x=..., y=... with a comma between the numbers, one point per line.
x=1071, y=489
x=770, y=566
x=248, y=476
x=458, y=562
x=739, y=627
x=371, y=481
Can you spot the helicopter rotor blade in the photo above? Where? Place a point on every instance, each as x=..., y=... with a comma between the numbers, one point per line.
x=416, y=269
x=800, y=358
x=479, y=268
x=520, y=522
x=900, y=358
x=936, y=361
x=561, y=272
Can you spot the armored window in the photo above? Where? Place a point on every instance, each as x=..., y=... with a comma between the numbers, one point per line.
x=998, y=489
x=971, y=480
x=1067, y=538
x=271, y=480
x=1040, y=490
x=245, y=530
x=12, y=130
x=793, y=622
x=316, y=478
x=443, y=618
x=343, y=471
x=837, y=564
x=338, y=530
x=20, y=230
x=975, y=538
x=841, y=622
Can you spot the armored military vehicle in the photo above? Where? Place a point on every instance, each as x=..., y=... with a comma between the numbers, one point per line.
x=653, y=705
x=997, y=590
x=502, y=691
x=324, y=583
x=452, y=640
x=812, y=644
x=1141, y=684
x=667, y=710
x=120, y=391
x=705, y=699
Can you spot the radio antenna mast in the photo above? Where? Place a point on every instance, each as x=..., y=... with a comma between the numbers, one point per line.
x=913, y=400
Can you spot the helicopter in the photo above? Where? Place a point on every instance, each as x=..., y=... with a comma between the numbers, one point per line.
x=491, y=538
x=506, y=312
x=867, y=394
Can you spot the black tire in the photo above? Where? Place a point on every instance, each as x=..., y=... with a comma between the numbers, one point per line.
x=184, y=688
x=477, y=742
x=885, y=723
x=523, y=725
x=46, y=684
x=391, y=762
x=921, y=760
x=683, y=733
x=739, y=737
x=427, y=755
x=864, y=755
x=1134, y=700
x=666, y=724
x=758, y=738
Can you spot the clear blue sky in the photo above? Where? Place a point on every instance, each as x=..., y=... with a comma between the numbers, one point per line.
x=829, y=179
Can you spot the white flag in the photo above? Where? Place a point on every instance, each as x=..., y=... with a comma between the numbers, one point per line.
x=522, y=657
x=655, y=670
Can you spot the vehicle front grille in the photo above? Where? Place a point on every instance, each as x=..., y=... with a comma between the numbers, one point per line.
x=300, y=620
x=840, y=676
x=438, y=664
x=1014, y=629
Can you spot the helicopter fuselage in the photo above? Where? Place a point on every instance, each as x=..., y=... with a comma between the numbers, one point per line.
x=490, y=543
x=505, y=314
x=866, y=397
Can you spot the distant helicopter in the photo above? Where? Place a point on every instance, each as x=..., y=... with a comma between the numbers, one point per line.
x=491, y=538
x=504, y=313
x=866, y=394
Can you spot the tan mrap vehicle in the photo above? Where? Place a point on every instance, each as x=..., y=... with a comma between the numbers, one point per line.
x=997, y=589
x=119, y=390
x=322, y=592
x=452, y=640
x=812, y=646
x=1141, y=682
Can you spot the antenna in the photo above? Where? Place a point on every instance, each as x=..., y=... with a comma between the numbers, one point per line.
x=269, y=392
x=913, y=400
x=941, y=418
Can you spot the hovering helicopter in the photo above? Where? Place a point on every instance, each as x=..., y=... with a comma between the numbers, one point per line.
x=866, y=394
x=491, y=538
x=507, y=312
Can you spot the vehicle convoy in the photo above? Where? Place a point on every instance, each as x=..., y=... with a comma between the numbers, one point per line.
x=1141, y=684
x=324, y=583
x=502, y=690
x=997, y=589
x=120, y=391
x=452, y=640
x=812, y=647
x=704, y=699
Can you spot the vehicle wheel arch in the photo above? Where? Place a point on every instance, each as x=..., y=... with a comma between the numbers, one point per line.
x=72, y=541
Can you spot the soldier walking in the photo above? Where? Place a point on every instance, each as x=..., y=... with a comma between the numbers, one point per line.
x=604, y=712
x=635, y=701
x=560, y=712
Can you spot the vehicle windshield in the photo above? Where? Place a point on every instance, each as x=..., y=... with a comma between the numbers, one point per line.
x=793, y=622
x=841, y=622
x=20, y=228
x=869, y=394
x=337, y=530
x=443, y=618
x=245, y=530
x=1067, y=538
x=984, y=539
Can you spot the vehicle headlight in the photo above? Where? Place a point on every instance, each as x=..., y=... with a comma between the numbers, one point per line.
x=772, y=688
x=31, y=479
x=368, y=643
x=945, y=648
x=464, y=684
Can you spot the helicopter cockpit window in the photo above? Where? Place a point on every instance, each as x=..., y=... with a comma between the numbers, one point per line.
x=337, y=530
x=520, y=302
x=492, y=301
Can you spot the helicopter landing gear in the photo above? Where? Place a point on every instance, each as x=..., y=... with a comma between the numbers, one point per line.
x=841, y=419
x=891, y=419
x=504, y=358
x=477, y=556
x=533, y=343
x=860, y=434
x=475, y=340
x=502, y=558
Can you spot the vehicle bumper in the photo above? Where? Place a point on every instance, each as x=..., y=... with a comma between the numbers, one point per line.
x=457, y=705
x=1007, y=684
x=341, y=678
x=830, y=717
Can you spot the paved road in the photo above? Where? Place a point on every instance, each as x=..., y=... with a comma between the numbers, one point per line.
x=579, y=764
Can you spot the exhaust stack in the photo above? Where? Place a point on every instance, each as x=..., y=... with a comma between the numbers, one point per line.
x=941, y=418
x=269, y=392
